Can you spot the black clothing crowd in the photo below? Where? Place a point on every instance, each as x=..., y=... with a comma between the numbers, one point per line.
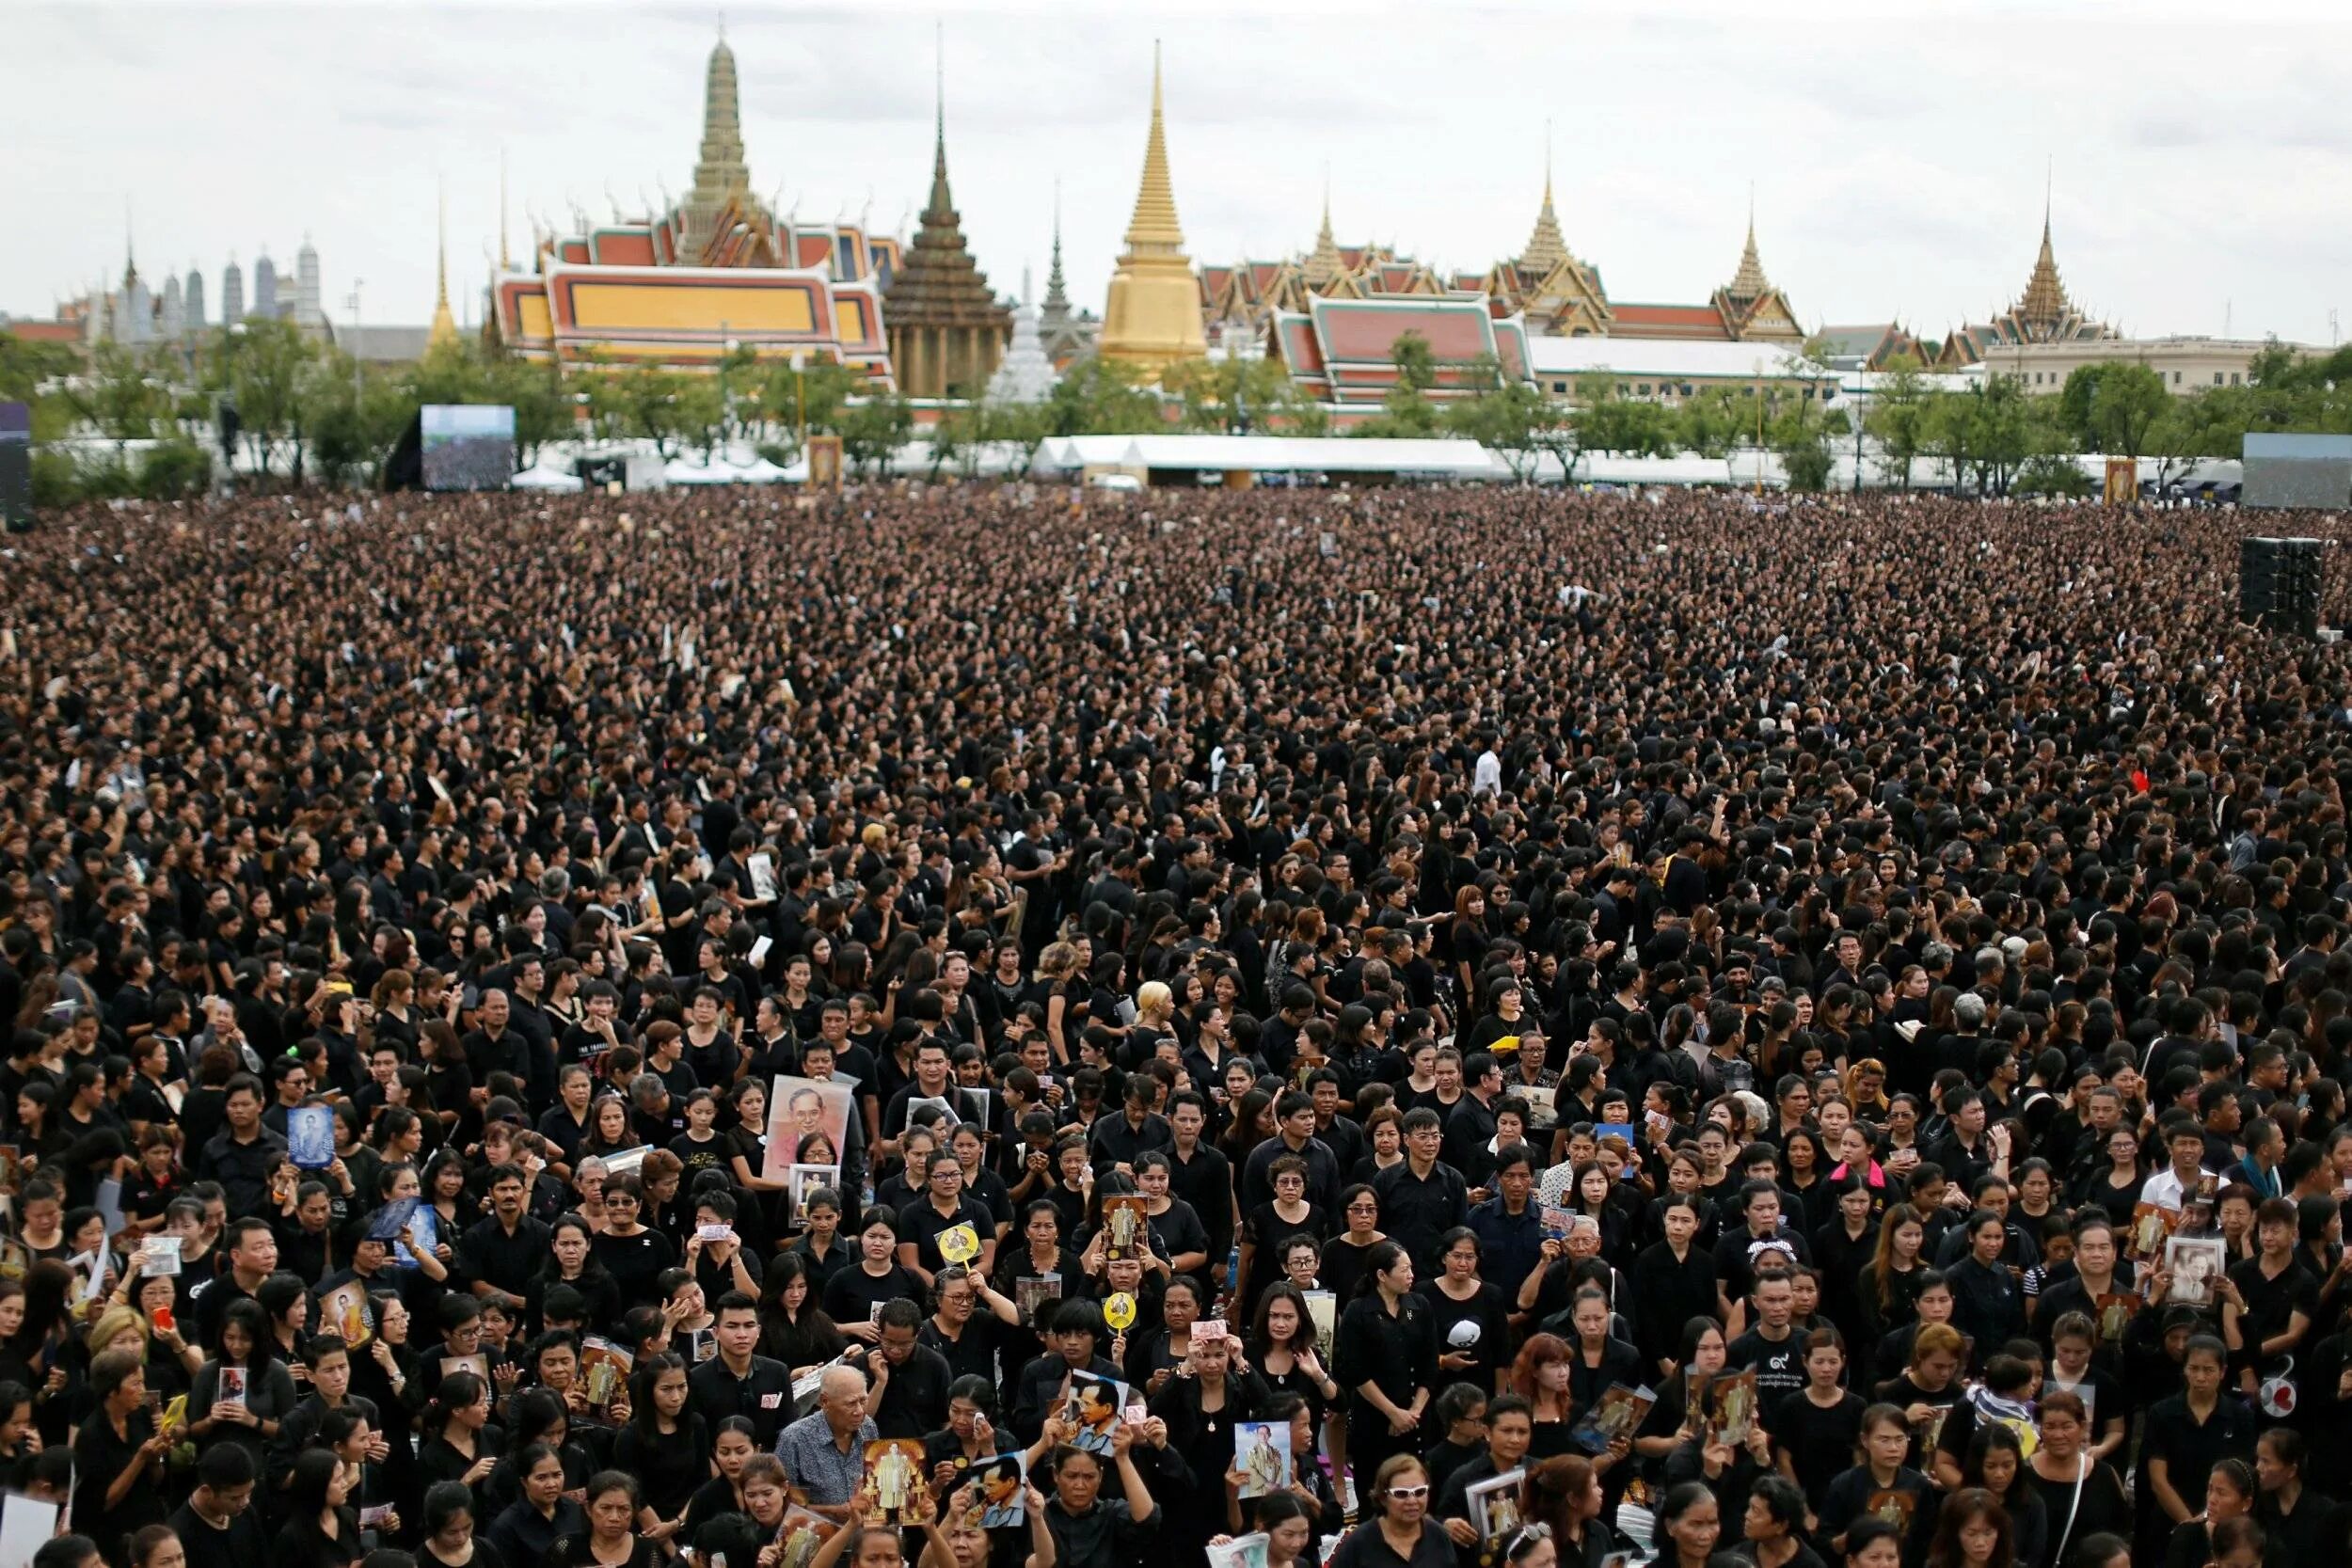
x=1797, y=1032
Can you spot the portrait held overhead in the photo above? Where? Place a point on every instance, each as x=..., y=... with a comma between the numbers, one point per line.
x=753, y=905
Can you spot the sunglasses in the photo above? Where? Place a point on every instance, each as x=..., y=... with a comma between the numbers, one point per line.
x=1406, y=1493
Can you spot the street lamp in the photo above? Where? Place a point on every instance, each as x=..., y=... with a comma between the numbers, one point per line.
x=799, y=396
x=356, y=284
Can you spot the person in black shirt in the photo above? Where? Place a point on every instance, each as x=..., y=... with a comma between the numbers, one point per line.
x=1386, y=1358
x=505, y=1248
x=909, y=1379
x=216, y=1526
x=855, y=1295
x=118, y=1455
x=738, y=1381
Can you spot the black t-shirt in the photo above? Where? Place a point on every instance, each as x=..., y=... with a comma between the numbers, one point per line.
x=913, y=1402
x=1779, y=1363
x=635, y=1262
x=99, y=1457
x=852, y=1295
x=921, y=1223
x=1818, y=1440
x=241, y=1545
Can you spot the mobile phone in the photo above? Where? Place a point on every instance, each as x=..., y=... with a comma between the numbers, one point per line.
x=162, y=1319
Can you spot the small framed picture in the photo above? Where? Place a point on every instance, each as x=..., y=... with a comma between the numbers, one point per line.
x=2197, y=1264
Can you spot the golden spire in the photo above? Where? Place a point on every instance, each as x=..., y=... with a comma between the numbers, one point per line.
x=1326, y=265
x=2044, y=303
x=1749, y=282
x=1154, y=228
x=1544, y=248
x=1153, y=316
x=444, y=329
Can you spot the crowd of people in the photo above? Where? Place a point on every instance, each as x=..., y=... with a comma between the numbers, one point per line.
x=1409, y=1028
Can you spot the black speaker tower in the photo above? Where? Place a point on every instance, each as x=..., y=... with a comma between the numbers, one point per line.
x=2278, y=584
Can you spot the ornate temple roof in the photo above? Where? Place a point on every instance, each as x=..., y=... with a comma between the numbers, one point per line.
x=1326, y=266
x=2045, y=305
x=722, y=179
x=1749, y=282
x=938, y=283
x=1545, y=249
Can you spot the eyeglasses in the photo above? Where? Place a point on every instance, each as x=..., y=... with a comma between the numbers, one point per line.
x=1406, y=1493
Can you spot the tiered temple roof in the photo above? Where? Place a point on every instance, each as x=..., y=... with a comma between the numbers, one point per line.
x=947, y=330
x=2043, y=314
x=1342, y=351
x=716, y=268
x=1563, y=295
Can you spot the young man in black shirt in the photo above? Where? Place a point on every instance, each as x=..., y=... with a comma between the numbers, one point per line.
x=216, y=1526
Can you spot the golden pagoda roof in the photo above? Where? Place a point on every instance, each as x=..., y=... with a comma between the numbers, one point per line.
x=1545, y=249
x=1749, y=282
x=1326, y=266
x=1154, y=228
x=2045, y=303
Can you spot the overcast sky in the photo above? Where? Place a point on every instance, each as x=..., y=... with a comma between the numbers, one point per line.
x=1896, y=150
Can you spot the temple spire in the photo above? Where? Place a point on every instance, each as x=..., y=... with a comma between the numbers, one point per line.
x=720, y=177
x=1154, y=228
x=1546, y=249
x=1326, y=265
x=2045, y=303
x=1749, y=282
x=444, y=328
x=1055, y=308
x=940, y=203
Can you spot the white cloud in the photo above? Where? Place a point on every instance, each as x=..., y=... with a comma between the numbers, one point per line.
x=1897, y=151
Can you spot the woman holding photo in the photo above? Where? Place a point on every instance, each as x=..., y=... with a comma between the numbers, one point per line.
x=245, y=1391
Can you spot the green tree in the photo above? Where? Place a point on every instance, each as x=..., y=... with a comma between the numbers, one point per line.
x=1606, y=421
x=648, y=398
x=2051, y=473
x=1406, y=409
x=175, y=470
x=1508, y=417
x=741, y=382
x=698, y=411
x=1799, y=436
x=1019, y=426
x=121, y=396
x=954, y=439
x=814, y=395
x=264, y=364
x=1983, y=434
x=1097, y=397
x=2131, y=398
x=544, y=410
x=1897, y=418
x=1715, y=423
x=873, y=431
x=1215, y=396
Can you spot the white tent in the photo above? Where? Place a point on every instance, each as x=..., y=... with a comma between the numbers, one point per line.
x=679, y=471
x=538, y=478
x=758, y=471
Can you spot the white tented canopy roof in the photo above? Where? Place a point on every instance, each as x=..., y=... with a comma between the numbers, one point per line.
x=1667, y=358
x=537, y=478
x=1329, y=454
